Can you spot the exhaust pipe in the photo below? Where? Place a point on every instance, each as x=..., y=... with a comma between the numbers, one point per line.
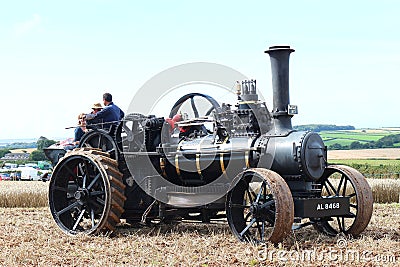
x=279, y=56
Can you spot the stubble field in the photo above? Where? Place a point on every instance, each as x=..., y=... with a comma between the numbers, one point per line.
x=29, y=237
x=382, y=153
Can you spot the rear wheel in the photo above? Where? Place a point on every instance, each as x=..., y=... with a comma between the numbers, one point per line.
x=102, y=140
x=86, y=193
x=347, y=182
x=260, y=207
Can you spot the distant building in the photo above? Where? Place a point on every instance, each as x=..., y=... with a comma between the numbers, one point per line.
x=15, y=156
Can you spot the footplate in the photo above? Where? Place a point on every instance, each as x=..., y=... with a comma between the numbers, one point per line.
x=322, y=207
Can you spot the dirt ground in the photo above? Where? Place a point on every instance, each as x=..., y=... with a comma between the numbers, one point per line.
x=383, y=153
x=29, y=237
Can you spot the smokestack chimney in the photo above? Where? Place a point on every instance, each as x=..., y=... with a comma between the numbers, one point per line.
x=279, y=56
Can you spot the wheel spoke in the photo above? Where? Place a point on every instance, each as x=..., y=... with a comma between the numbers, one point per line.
x=92, y=216
x=265, y=191
x=271, y=217
x=78, y=220
x=354, y=206
x=110, y=150
x=94, y=181
x=84, y=174
x=260, y=232
x=69, y=207
x=344, y=187
x=352, y=195
x=210, y=110
x=267, y=204
x=339, y=224
x=327, y=189
x=259, y=193
x=343, y=226
x=249, y=195
x=58, y=188
x=340, y=183
x=101, y=201
x=193, y=104
x=235, y=205
x=80, y=169
x=332, y=187
x=262, y=229
x=96, y=193
x=71, y=173
x=93, y=203
x=247, y=227
x=248, y=215
x=352, y=215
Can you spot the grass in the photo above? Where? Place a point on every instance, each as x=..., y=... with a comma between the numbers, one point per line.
x=373, y=168
x=29, y=237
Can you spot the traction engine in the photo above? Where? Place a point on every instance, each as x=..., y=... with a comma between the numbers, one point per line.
x=243, y=163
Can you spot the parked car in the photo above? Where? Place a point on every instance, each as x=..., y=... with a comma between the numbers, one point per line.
x=5, y=176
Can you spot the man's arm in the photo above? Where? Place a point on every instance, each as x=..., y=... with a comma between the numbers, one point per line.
x=101, y=114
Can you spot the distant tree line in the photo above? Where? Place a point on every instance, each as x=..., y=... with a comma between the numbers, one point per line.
x=388, y=141
x=4, y=151
x=322, y=127
x=36, y=155
x=42, y=142
x=19, y=145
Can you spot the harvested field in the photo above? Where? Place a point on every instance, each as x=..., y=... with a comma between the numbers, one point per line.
x=30, y=238
x=382, y=153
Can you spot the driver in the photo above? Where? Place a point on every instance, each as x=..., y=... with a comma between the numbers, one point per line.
x=111, y=114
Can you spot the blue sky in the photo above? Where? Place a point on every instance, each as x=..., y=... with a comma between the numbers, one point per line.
x=59, y=57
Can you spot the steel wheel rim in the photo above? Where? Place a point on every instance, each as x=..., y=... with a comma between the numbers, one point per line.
x=80, y=198
x=252, y=206
x=254, y=227
x=346, y=181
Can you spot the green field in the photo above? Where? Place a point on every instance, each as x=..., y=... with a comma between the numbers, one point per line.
x=373, y=168
x=345, y=138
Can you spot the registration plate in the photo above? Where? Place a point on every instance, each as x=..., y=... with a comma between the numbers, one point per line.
x=322, y=207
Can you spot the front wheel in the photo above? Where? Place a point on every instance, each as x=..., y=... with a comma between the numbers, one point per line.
x=346, y=182
x=260, y=207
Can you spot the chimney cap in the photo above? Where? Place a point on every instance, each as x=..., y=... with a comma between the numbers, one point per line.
x=279, y=47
